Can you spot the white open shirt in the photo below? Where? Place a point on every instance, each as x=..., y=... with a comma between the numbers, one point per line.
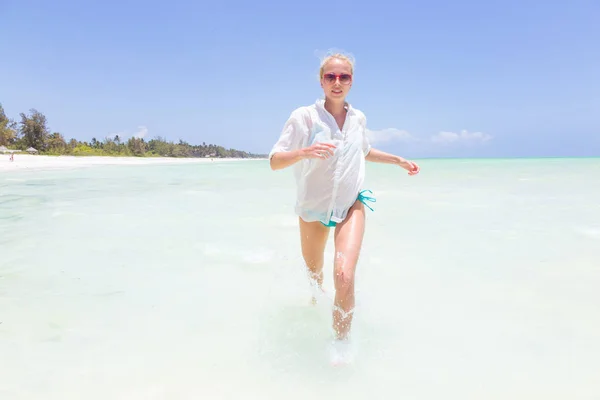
x=326, y=188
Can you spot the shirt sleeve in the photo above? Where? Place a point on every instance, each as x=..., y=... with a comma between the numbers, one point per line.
x=292, y=136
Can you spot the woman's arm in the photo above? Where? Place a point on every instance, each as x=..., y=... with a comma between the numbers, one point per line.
x=382, y=157
x=284, y=159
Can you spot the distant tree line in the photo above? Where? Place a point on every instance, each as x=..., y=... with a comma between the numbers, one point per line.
x=32, y=131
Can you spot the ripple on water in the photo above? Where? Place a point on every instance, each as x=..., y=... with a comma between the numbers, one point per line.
x=11, y=217
x=12, y=201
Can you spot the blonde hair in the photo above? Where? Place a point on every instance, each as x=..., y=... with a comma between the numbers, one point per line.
x=340, y=55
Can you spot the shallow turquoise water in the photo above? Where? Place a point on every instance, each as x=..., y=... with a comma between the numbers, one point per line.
x=478, y=279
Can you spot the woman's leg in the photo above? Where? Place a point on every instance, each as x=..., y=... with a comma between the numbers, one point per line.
x=348, y=242
x=313, y=237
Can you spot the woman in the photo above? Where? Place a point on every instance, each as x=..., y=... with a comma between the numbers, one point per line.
x=327, y=145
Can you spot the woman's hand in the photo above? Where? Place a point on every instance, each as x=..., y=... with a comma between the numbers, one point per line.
x=284, y=159
x=318, y=150
x=410, y=166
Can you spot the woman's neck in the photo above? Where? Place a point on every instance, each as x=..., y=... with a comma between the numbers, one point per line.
x=335, y=108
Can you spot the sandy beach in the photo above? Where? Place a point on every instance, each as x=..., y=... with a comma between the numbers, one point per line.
x=33, y=162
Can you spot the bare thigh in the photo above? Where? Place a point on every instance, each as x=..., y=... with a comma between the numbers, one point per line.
x=313, y=238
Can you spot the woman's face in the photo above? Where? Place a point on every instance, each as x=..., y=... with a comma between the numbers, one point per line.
x=337, y=79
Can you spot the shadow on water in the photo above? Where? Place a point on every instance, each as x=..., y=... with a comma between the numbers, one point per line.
x=294, y=337
x=295, y=341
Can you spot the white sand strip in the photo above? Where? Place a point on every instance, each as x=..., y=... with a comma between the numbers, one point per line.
x=38, y=162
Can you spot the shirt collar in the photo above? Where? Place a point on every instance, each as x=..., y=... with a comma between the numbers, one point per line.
x=321, y=104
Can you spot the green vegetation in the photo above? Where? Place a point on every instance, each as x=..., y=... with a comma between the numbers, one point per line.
x=32, y=131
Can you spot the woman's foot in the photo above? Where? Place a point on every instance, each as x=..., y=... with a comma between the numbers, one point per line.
x=318, y=293
x=341, y=352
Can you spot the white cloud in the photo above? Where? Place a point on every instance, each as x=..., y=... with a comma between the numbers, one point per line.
x=141, y=132
x=388, y=135
x=462, y=137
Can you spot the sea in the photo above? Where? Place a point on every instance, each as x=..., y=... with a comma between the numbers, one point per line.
x=478, y=279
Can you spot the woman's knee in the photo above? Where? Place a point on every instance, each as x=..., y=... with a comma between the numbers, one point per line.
x=343, y=273
x=313, y=260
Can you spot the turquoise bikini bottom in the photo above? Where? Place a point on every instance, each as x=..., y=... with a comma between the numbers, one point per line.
x=363, y=199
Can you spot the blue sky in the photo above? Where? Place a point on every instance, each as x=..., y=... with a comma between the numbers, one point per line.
x=434, y=78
